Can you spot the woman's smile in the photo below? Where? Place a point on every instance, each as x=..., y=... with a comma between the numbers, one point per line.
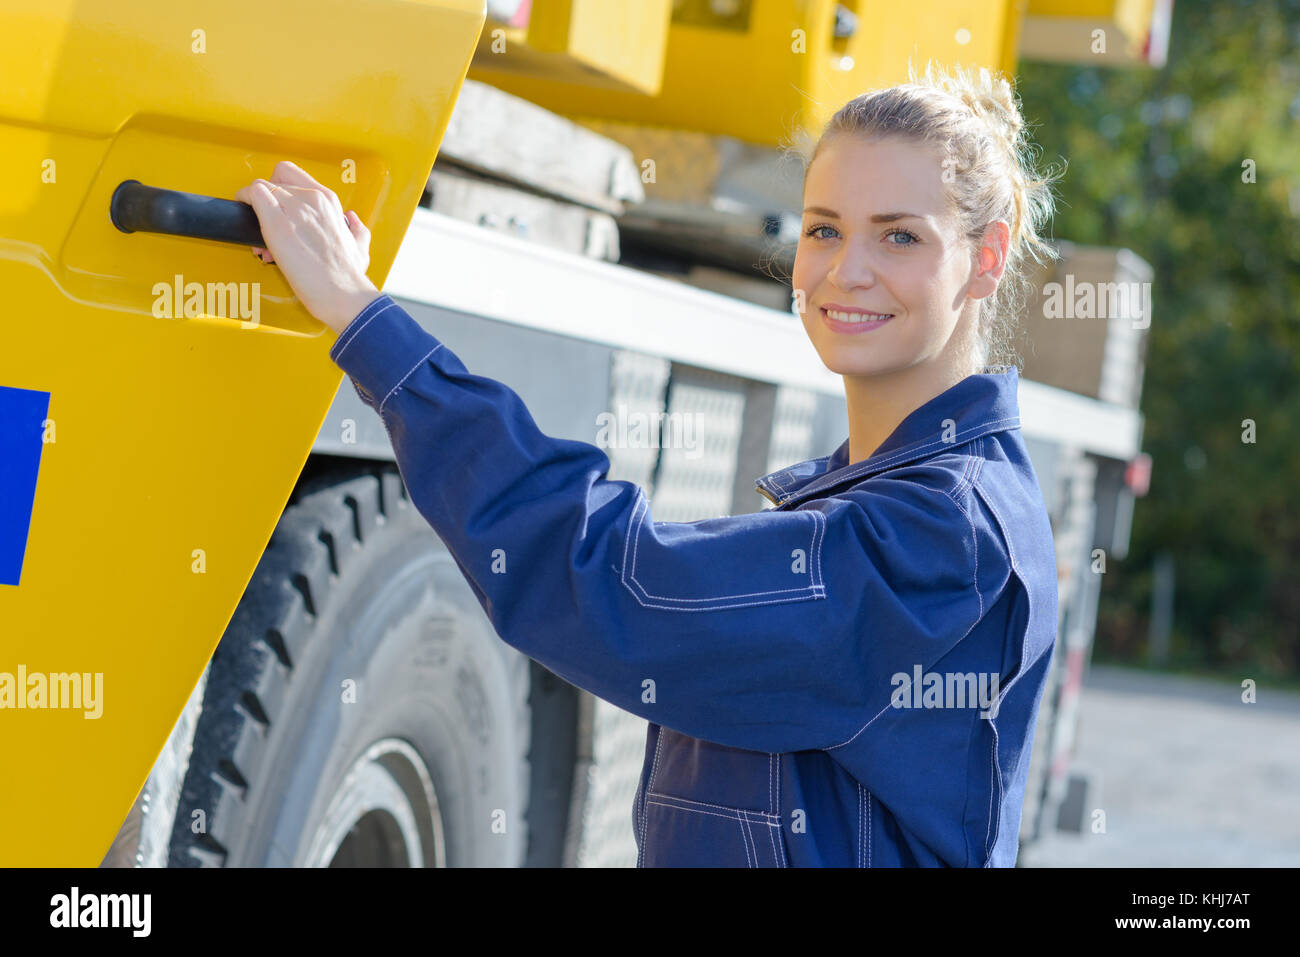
x=853, y=321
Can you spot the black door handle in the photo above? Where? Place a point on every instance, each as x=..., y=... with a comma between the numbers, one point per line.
x=148, y=209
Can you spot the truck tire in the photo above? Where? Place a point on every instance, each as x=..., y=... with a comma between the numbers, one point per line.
x=360, y=710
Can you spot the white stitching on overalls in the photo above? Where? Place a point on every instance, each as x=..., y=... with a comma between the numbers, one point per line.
x=984, y=428
x=734, y=816
x=654, y=766
x=691, y=810
x=745, y=837
x=819, y=534
x=988, y=830
x=640, y=521
x=636, y=521
x=777, y=808
x=770, y=758
x=958, y=491
x=386, y=305
x=858, y=860
x=393, y=390
x=349, y=334
x=780, y=818
x=720, y=807
x=996, y=779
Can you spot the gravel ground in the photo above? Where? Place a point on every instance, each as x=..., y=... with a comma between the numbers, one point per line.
x=1187, y=774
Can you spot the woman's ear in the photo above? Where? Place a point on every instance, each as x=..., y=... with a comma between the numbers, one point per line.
x=990, y=260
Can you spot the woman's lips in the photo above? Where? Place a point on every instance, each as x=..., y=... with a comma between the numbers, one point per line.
x=850, y=327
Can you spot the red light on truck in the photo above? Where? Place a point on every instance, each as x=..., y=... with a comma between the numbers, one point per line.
x=1137, y=474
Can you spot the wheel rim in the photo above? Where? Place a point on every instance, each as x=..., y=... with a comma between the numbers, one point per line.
x=384, y=814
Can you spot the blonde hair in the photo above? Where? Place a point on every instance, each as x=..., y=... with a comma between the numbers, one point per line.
x=974, y=117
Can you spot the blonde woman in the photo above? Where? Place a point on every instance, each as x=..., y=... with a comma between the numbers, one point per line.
x=851, y=677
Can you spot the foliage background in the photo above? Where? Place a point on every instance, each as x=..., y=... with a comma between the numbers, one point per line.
x=1154, y=162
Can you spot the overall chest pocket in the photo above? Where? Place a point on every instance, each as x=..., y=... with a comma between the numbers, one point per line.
x=711, y=806
x=734, y=562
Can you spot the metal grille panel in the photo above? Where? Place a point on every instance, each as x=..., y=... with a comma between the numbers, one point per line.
x=693, y=482
x=792, y=428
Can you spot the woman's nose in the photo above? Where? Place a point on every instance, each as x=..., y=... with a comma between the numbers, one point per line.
x=850, y=270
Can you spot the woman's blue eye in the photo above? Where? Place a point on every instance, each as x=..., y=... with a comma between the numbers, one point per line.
x=904, y=232
x=817, y=229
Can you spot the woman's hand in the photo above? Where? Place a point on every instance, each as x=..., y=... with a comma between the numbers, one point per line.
x=322, y=251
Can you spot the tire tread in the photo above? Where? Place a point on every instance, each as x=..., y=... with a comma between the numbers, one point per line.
x=315, y=542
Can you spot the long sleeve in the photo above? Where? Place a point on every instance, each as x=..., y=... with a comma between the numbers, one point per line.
x=774, y=631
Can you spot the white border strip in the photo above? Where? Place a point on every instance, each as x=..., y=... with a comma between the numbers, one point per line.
x=456, y=265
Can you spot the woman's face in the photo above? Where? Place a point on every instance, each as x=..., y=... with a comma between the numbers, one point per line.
x=878, y=237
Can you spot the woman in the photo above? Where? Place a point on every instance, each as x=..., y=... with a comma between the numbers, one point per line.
x=850, y=678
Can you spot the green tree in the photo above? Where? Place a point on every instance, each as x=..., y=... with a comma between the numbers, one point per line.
x=1159, y=161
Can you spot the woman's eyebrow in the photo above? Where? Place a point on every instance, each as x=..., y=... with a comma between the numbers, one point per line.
x=877, y=218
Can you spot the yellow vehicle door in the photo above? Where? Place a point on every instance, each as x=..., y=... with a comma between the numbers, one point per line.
x=160, y=393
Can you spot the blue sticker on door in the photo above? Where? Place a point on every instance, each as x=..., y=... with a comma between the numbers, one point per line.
x=22, y=425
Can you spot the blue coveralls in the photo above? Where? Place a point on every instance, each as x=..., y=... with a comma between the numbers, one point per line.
x=807, y=669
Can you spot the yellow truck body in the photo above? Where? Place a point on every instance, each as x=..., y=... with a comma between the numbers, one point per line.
x=167, y=449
